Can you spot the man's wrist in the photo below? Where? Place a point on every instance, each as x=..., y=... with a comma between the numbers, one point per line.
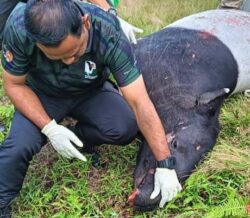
x=47, y=128
x=162, y=154
x=169, y=163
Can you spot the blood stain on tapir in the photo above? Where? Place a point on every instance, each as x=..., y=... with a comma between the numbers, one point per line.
x=205, y=35
x=235, y=21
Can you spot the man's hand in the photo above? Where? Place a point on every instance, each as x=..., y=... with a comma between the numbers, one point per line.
x=61, y=139
x=167, y=182
x=129, y=30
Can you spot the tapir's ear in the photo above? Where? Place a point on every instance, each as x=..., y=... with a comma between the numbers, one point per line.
x=207, y=97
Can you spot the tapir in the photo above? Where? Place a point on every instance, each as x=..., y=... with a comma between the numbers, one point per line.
x=189, y=68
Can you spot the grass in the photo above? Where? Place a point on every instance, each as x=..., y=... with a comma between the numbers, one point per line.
x=220, y=187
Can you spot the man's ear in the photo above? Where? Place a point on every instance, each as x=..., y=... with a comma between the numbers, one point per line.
x=85, y=21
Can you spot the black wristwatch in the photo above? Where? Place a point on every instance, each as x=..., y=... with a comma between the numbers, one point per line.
x=112, y=11
x=169, y=163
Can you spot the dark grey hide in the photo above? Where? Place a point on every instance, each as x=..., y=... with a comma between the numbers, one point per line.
x=186, y=73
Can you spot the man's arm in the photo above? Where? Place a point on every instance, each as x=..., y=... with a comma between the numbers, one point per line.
x=128, y=29
x=27, y=102
x=166, y=181
x=147, y=117
x=24, y=99
x=102, y=3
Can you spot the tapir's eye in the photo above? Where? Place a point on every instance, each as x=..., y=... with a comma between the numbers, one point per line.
x=174, y=143
x=211, y=112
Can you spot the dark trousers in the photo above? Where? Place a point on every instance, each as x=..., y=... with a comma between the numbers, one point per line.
x=103, y=118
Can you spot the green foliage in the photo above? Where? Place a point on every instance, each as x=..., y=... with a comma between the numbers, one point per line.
x=234, y=207
x=204, y=191
x=6, y=114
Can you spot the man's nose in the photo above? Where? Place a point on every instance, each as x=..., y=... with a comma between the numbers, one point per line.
x=68, y=61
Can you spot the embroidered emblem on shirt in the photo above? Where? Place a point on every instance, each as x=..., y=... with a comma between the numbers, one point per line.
x=7, y=54
x=90, y=70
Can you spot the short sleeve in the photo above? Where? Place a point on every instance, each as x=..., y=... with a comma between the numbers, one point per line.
x=122, y=62
x=13, y=57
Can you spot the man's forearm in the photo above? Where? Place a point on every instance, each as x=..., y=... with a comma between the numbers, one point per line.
x=151, y=127
x=27, y=102
x=147, y=118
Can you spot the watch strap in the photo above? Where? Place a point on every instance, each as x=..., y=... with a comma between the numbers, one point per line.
x=169, y=163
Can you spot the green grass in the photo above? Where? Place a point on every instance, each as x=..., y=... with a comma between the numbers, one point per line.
x=220, y=187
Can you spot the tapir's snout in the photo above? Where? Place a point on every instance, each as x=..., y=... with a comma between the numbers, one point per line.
x=140, y=197
x=144, y=181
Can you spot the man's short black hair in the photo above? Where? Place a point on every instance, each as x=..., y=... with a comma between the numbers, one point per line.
x=48, y=22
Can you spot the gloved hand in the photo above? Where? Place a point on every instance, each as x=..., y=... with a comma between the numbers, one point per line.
x=167, y=182
x=61, y=139
x=129, y=30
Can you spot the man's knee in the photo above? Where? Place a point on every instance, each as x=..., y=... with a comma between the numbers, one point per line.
x=122, y=133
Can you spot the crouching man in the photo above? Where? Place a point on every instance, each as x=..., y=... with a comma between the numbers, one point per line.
x=57, y=57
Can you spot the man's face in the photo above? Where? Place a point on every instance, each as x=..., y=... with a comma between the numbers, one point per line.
x=70, y=49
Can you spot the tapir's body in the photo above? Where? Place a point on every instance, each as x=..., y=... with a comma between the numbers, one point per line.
x=189, y=67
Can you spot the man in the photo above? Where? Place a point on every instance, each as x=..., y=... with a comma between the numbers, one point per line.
x=57, y=57
x=8, y=5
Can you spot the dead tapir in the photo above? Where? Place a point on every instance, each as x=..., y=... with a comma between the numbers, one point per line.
x=189, y=68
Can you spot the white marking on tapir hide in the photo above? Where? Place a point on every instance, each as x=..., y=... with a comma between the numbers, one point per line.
x=227, y=90
x=232, y=27
x=247, y=93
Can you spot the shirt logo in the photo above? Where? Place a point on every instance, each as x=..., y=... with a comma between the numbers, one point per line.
x=90, y=70
x=7, y=54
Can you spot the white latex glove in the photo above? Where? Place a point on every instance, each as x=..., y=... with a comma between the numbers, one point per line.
x=129, y=30
x=167, y=182
x=61, y=139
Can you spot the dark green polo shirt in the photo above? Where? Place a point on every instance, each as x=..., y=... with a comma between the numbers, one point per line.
x=108, y=50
